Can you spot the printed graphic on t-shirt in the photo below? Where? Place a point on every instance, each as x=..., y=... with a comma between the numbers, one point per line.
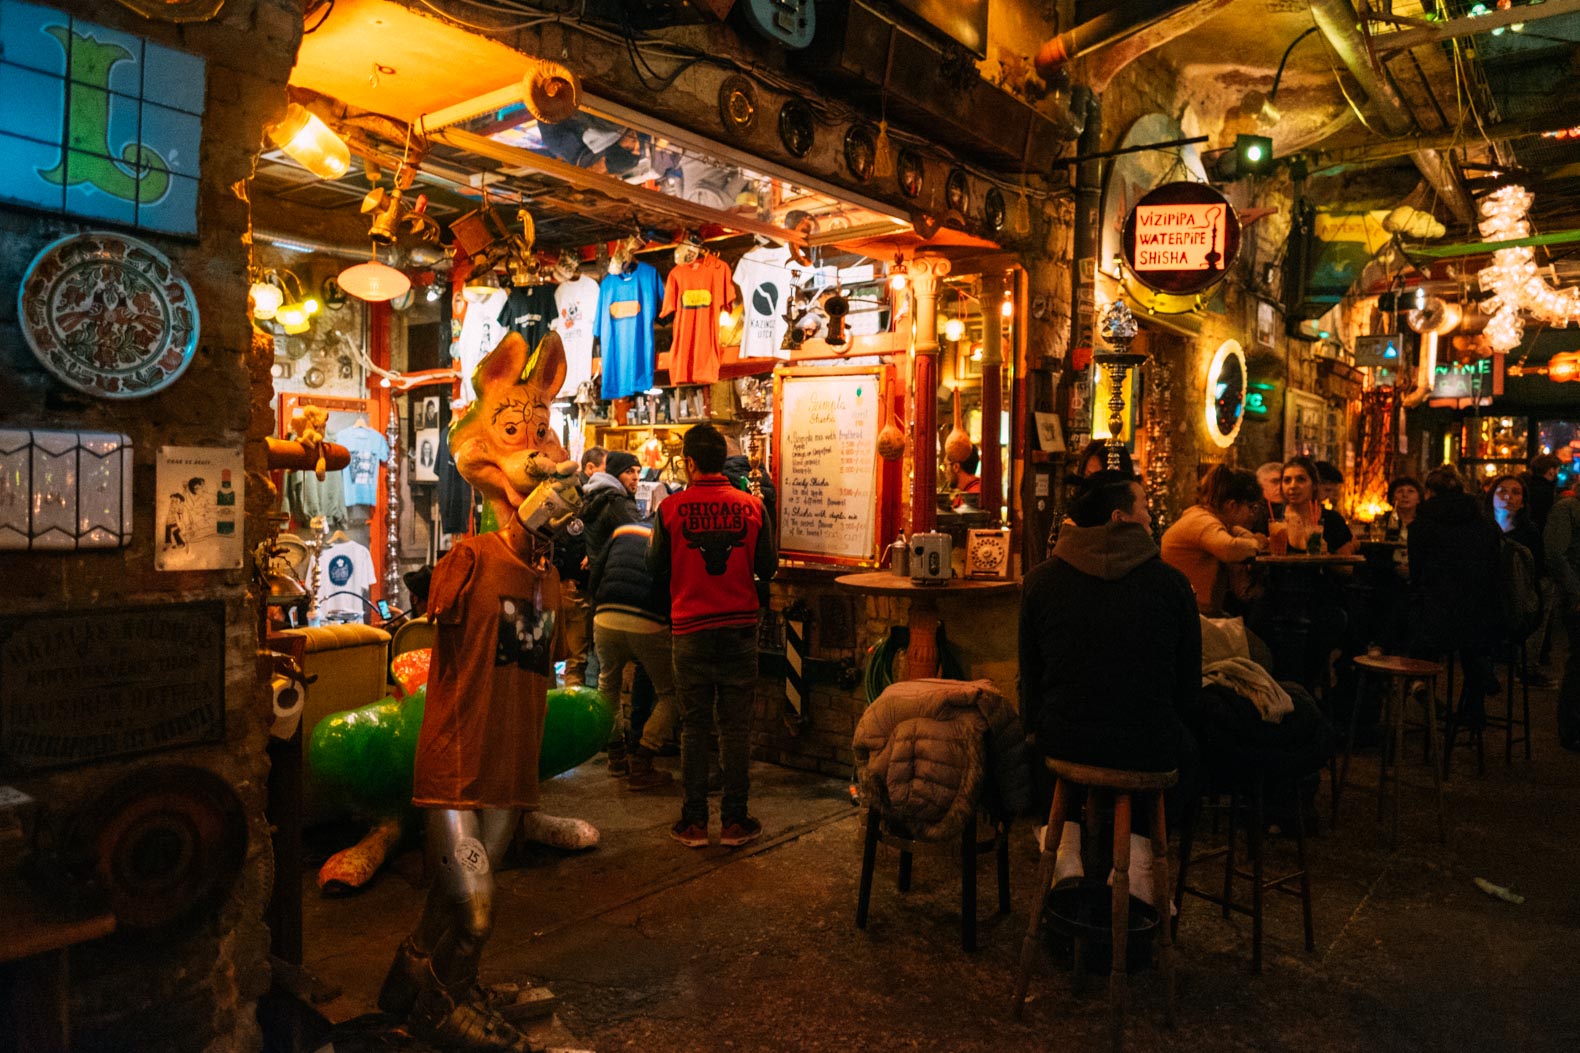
x=715, y=529
x=625, y=309
x=364, y=468
x=525, y=636
x=694, y=298
x=340, y=570
x=765, y=299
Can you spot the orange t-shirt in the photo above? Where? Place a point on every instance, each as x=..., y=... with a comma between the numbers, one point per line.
x=695, y=293
x=482, y=728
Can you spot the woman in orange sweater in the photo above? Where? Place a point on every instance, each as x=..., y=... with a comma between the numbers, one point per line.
x=1212, y=534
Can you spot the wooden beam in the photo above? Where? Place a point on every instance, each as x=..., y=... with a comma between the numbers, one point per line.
x=1393, y=149
x=1455, y=28
x=617, y=189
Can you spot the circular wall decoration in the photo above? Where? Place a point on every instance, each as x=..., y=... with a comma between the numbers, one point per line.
x=108, y=315
x=861, y=149
x=797, y=127
x=1226, y=385
x=908, y=170
x=333, y=295
x=737, y=106
x=993, y=211
x=956, y=192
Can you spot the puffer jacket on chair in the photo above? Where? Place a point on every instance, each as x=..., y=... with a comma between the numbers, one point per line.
x=931, y=751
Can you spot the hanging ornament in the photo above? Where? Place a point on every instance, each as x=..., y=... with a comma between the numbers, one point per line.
x=1517, y=285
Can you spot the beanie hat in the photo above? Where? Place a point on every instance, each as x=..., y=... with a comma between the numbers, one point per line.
x=619, y=461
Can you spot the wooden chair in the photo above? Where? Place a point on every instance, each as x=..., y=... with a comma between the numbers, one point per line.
x=878, y=830
x=1113, y=789
x=1254, y=784
x=1399, y=672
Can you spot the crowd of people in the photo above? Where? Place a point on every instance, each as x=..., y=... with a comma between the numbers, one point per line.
x=1454, y=570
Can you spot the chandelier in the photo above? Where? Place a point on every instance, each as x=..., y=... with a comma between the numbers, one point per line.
x=1513, y=278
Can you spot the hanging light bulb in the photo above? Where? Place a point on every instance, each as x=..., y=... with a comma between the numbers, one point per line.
x=293, y=318
x=724, y=319
x=954, y=329
x=266, y=299
x=308, y=141
x=480, y=285
x=1008, y=307
x=377, y=282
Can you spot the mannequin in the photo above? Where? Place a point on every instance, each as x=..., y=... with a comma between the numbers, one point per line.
x=493, y=599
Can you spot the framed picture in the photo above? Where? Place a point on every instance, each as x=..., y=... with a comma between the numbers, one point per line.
x=1050, y=433
x=1266, y=324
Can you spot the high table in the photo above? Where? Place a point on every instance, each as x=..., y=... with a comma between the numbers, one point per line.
x=921, y=657
x=1292, y=591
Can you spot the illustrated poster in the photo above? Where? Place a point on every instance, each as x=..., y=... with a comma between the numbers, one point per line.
x=199, y=508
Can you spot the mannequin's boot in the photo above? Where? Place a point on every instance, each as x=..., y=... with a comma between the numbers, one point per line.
x=643, y=775
x=408, y=974
x=451, y=1019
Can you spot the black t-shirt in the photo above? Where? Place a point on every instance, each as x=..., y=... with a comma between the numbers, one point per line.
x=528, y=311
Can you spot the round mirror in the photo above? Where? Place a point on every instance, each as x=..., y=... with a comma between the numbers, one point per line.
x=1226, y=383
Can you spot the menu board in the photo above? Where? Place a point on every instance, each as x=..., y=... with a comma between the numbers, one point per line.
x=826, y=425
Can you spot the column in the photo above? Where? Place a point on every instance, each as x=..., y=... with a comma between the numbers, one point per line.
x=923, y=275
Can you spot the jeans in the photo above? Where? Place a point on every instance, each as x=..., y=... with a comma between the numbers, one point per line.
x=576, y=617
x=715, y=680
x=618, y=649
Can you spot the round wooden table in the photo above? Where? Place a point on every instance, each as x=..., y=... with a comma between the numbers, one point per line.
x=921, y=657
x=1293, y=588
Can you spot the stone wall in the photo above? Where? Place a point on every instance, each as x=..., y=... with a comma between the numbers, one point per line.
x=194, y=989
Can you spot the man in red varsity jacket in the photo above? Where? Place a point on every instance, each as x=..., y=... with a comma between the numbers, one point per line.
x=715, y=553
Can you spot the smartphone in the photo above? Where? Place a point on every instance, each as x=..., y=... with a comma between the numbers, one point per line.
x=384, y=610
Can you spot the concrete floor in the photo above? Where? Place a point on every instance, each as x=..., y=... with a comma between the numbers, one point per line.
x=653, y=947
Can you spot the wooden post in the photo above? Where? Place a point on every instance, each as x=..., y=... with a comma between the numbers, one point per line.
x=923, y=275
x=992, y=466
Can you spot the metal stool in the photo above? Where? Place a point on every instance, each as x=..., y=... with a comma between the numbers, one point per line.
x=1399, y=671
x=970, y=849
x=1516, y=667
x=1114, y=788
x=1256, y=784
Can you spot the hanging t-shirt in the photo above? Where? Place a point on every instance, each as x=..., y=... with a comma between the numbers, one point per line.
x=368, y=450
x=627, y=309
x=576, y=304
x=529, y=310
x=345, y=574
x=480, y=332
x=766, y=276
x=695, y=293
x=306, y=496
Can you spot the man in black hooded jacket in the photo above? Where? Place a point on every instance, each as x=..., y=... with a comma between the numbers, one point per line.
x=1455, y=585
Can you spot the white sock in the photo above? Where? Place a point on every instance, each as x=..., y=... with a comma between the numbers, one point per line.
x=1068, y=862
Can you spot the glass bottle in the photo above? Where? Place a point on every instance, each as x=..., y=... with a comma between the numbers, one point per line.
x=225, y=505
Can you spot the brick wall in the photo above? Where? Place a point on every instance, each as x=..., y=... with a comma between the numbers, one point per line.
x=192, y=990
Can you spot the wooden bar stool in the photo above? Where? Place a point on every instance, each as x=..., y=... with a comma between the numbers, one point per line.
x=1516, y=668
x=1112, y=788
x=971, y=847
x=1398, y=671
x=1253, y=785
x=1475, y=737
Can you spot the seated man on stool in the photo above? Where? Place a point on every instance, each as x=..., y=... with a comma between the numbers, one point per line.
x=1110, y=654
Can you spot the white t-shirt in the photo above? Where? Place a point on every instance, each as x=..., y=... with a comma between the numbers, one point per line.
x=766, y=277
x=480, y=333
x=344, y=567
x=577, y=301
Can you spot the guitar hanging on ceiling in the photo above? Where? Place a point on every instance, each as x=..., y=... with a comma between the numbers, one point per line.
x=790, y=22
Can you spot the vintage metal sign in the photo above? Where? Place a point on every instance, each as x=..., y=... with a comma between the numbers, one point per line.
x=85, y=685
x=1181, y=238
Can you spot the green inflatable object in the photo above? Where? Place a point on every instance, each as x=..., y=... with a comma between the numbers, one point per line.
x=363, y=758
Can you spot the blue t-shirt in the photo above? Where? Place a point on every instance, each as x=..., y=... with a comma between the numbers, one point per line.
x=368, y=451
x=627, y=308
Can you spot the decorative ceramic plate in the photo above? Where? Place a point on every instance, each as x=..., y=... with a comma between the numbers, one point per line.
x=108, y=315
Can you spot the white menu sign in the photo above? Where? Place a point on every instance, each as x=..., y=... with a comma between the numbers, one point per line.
x=1179, y=237
x=828, y=464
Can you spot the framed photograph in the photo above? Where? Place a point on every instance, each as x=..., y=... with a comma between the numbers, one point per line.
x=1266, y=324
x=1050, y=432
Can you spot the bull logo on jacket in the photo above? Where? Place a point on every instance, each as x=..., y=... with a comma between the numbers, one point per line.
x=715, y=531
x=525, y=636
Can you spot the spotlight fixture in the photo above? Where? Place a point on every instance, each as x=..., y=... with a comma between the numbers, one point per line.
x=480, y=285
x=1253, y=155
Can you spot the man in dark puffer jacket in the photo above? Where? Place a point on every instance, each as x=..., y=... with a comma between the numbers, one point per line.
x=631, y=624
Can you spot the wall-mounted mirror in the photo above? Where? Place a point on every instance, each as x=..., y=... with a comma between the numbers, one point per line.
x=1226, y=379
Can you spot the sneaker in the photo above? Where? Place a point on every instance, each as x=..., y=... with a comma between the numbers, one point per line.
x=692, y=835
x=741, y=832
x=643, y=775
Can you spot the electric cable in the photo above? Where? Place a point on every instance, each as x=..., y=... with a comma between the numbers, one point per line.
x=880, y=662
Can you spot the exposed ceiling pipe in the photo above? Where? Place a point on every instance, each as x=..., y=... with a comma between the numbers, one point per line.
x=1123, y=21
x=1341, y=28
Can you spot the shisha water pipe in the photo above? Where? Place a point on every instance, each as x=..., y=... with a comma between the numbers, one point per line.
x=1119, y=328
